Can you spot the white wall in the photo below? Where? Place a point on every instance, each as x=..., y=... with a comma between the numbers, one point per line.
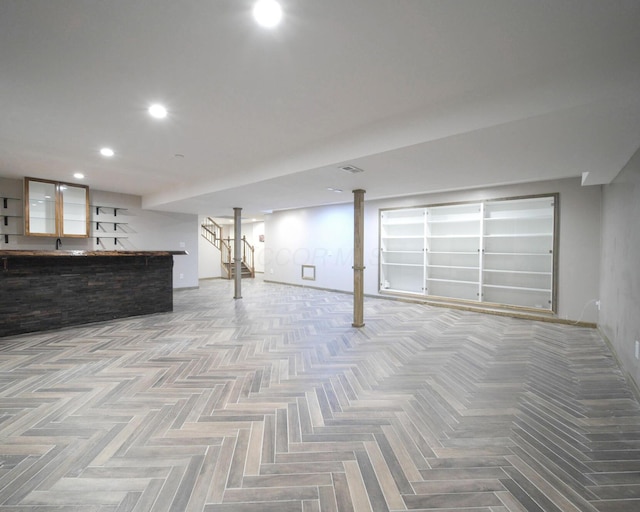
x=323, y=237
x=252, y=232
x=313, y=236
x=144, y=230
x=620, y=268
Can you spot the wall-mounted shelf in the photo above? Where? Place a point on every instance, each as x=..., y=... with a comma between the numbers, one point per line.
x=495, y=251
x=107, y=237
x=10, y=205
x=115, y=224
x=5, y=200
x=104, y=218
x=6, y=236
x=7, y=217
x=105, y=209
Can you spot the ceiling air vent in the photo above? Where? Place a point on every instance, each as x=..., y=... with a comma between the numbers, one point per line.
x=351, y=169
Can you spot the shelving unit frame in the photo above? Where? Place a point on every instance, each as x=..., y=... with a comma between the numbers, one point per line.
x=496, y=252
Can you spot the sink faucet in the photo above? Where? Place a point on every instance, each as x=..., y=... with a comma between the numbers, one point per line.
x=58, y=243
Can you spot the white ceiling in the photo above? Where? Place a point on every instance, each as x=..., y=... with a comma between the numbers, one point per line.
x=424, y=95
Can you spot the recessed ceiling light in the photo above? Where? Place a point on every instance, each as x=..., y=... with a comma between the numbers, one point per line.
x=107, y=152
x=78, y=175
x=158, y=111
x=267, y=13
x=336, y=190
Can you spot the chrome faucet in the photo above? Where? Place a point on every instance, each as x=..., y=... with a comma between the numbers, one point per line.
x=58, y=243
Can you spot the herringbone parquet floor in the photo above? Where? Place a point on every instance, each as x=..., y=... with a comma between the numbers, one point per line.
x=275, y=403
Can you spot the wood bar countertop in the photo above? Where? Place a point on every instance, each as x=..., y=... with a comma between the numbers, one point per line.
x=59, y=253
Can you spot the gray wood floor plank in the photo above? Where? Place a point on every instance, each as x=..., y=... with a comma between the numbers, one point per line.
x=275, y=403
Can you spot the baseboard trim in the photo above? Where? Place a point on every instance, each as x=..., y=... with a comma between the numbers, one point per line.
x=487, y=311
x=633, y=385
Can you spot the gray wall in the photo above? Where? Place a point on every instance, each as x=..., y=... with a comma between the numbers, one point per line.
x=620, y=268
x=145, y=230
x=323, y=237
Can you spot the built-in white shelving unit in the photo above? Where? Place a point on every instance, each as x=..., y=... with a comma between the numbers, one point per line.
x=496, y=251
x=454, y=241
x=402, y=250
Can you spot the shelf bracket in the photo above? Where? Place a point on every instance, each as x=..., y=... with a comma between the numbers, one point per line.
x=6, y=239
x=5, y=203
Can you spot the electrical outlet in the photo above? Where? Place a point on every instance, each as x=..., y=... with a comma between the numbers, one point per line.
x=637, y=349
x=598, y=305
x=181, y=276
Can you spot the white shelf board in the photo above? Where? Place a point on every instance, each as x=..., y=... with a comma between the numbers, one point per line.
x=419, y=265
x=396, y=237
x=451, y=266
x=527, y=272
x=453, y=281
x=518, y=254
x=520, y=235
x=453, y=237
x=403, y=222
x=397, y=290
x=453, y=221
x=542, y=213
x=454, y=252
x=518, y=288
x=384, y=251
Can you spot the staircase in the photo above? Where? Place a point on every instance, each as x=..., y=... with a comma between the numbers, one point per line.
x=212, y=232
x=245, y=271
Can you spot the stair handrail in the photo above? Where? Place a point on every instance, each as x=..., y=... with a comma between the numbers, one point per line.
x=226, y=259
x=212, y=231
x=248, y=251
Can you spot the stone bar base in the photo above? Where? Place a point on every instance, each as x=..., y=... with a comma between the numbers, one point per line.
x=44, y=290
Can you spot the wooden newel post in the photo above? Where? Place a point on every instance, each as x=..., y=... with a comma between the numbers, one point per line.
x=358, y=258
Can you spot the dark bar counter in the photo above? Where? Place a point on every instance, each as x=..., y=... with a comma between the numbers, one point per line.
x=42, y=290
